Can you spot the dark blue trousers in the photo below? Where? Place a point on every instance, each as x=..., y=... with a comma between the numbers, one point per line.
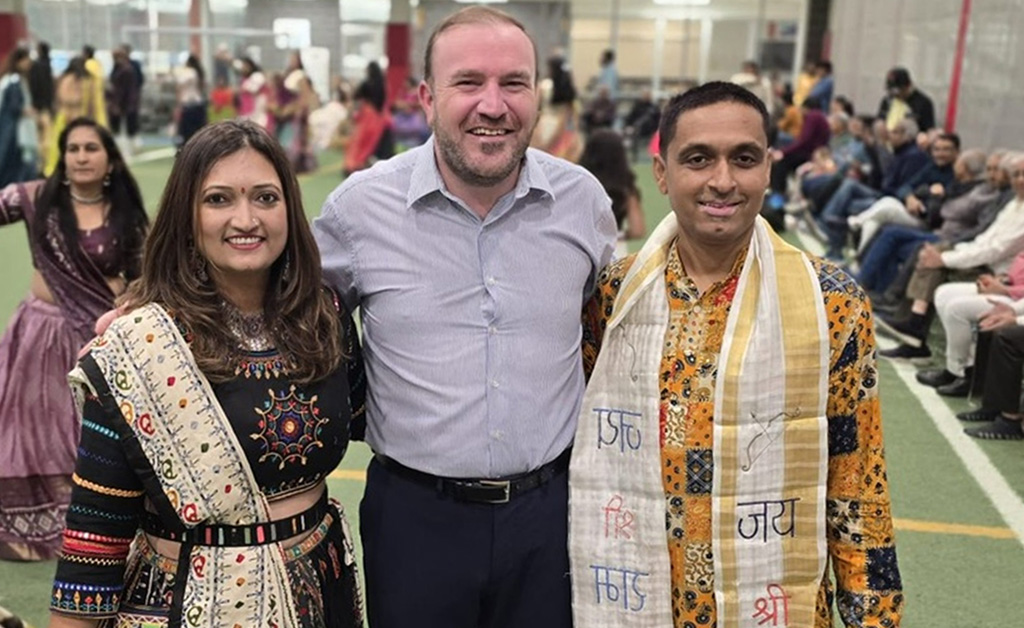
x=893, y=246
x=433, y=562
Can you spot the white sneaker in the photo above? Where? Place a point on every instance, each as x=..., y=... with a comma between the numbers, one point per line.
x=796, y=207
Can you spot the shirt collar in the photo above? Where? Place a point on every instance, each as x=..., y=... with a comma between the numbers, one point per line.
x=426, y=176
x=676, y=270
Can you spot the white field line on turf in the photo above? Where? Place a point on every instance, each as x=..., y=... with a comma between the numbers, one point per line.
x=1005, y=500
x=1003, y=497
x=807, y=241
x=152, y=155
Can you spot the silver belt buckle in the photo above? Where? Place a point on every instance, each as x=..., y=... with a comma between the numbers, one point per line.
x=498, y=483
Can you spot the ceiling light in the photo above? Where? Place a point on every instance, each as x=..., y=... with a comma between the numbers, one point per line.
x=684, y=3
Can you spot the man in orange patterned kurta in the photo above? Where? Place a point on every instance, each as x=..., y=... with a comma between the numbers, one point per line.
x=713, y=166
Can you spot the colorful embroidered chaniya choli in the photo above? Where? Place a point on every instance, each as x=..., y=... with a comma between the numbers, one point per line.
x=165, y=452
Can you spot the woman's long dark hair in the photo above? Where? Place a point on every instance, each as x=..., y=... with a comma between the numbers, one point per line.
x=127, y=215
x=194, y=63
x=605, y=157
x=564, y=91
x=77, y=67
x=301, y=316
x=13, y=59
x=373, y=88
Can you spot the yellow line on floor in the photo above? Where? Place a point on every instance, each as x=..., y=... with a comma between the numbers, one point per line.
x=934, y=527
x=912, y=525
x=349, y=474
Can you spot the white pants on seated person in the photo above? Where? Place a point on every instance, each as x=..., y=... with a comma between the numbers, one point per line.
x=959, y=306
x=887, y=210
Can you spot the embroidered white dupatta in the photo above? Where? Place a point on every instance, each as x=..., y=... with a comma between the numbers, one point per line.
x=770, y=450
x=144, y=364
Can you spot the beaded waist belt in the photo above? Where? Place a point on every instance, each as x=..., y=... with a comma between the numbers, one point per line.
x=243, y=535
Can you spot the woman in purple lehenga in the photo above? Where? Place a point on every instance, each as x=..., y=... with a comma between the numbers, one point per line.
x=86, y=225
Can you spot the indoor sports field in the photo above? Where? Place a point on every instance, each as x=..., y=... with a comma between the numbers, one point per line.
x=958, y=502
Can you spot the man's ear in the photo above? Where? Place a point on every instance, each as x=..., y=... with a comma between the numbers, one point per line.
x=660, y=172
x=426, y=95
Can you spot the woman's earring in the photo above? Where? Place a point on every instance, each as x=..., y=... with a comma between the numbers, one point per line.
x=106, y=181
x=198, y=264
x=286, y=272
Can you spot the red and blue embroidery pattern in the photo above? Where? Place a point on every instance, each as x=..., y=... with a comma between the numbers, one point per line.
x=290, y=427
x=261, y=364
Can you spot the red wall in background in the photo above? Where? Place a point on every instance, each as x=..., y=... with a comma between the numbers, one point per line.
x=13, y=29
x=399, y=43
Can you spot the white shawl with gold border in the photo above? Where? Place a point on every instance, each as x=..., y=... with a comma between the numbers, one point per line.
x=770, y=450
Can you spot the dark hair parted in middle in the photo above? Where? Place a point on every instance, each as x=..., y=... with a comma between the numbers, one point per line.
x=300, y=314
x=54, y=208
x=706, y=95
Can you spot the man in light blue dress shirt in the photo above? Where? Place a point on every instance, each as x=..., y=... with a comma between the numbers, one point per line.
x=470, y=259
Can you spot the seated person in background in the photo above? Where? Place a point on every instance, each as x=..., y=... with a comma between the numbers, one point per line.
x=959, y=218
x=604, y=155
x=790, y=122
x=853, y=197
x=814, y=133
x=947, y=175
x=992, y=251
x=641, y=123
x=600, y=112
x=842, y=104
x=960, y=306
x=864, y=167
x=1000, y=405
x=822, y=90
x=829, y=164
x=868, y=171
x=408, y=123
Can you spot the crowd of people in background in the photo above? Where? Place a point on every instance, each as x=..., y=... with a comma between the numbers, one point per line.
x=365, y=121
x=930, y=229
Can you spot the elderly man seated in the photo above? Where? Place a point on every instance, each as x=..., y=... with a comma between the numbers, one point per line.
x=962, y=307
x=999, y=417
x=931, y=187
x=853, y=197
x=961, y=219
x=992, y=251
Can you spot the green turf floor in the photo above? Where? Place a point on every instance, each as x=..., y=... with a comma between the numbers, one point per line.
x=961, y=564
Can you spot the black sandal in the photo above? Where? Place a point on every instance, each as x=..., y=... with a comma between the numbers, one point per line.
x=1000, y=429
x=978, y=416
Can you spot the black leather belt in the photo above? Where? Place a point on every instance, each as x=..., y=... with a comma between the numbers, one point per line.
x=498, y=491
x=240, y=536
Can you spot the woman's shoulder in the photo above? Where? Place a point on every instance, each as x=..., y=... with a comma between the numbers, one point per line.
x=144, y=321
x=21, y=194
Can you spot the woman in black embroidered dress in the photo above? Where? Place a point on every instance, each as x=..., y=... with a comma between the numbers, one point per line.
x=267, y=365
